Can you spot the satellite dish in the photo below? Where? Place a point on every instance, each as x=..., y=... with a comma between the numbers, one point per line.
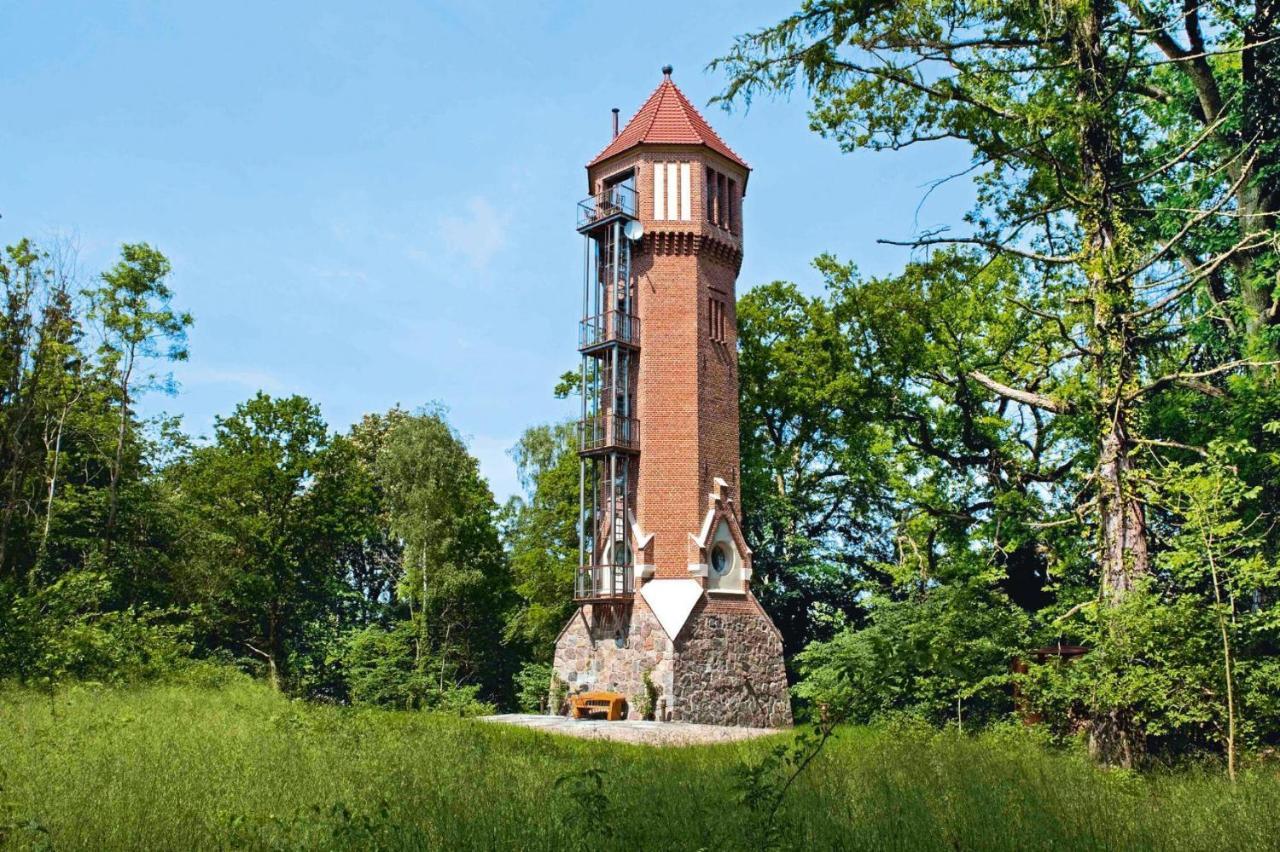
x=633, y=230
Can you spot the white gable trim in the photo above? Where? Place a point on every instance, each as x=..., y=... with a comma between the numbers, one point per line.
x=672, y=601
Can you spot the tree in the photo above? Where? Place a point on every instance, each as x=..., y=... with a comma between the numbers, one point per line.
x=1216, y=556
x=1075, y=161
x=813, y=463
x=258, y=557
x=137, y=325
x=455, y=580
x=39, y=334
x=542, y=535
x=372, y=556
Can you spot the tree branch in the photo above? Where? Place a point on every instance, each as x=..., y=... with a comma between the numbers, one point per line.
x=1037, y=400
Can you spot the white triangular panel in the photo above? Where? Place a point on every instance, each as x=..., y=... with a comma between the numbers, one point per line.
x=672, y=601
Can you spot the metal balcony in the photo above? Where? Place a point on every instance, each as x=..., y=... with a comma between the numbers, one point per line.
x=606, y=328
x=604, y=433
x=616, y=202
x=604, y=582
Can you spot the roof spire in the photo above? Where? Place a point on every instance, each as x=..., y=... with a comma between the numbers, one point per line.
x=667, y=118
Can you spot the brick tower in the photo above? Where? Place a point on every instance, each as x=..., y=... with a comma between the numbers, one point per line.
x=663, y=584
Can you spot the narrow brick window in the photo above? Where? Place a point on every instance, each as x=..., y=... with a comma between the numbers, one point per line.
x=731, y=207
x=712, y=197
x=672, y=191
x=659, y=193
x=715, y=320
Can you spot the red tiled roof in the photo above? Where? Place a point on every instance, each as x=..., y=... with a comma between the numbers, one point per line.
x=667, y=118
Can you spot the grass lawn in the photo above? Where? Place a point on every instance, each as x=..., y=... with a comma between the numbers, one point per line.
x=186, y=767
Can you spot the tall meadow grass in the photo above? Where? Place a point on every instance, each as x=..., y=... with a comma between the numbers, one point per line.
x=235, y=766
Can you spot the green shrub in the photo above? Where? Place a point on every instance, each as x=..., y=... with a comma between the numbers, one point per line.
x=64, y=632
x=381, y=669
x=920, y=656
x=533, y=687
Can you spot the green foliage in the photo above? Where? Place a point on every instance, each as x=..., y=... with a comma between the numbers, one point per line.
x=1105, y=312
x=942, y=656
x=255, y=501
x=541, y=532
x=1185, y=654
x=455, y=576
x=380, y=668
x=587, y=807
x=813, y=459
x=559, y=694
x=533, y=688
x=648, y=703
x=63, y=632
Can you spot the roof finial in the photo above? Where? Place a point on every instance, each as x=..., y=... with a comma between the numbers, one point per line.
x=666, y=72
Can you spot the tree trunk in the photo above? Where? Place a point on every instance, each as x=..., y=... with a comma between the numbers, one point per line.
x=273, y=652
x=1114, y=736
x=1123, y=551
x=113, y=491
x=1227, y=665
x=1259, y=195
x=52, y=492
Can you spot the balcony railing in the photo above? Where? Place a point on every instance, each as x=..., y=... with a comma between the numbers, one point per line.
x=614, y=201
x=609, y=327
x=604, y=581
x=609, y=432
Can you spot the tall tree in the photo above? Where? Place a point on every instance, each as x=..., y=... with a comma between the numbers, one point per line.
x=138, y=325
x=258, y=559
x=456, y=579
x=39, y=337
x=1074, y=172
x=813, y=463
x=541, y=531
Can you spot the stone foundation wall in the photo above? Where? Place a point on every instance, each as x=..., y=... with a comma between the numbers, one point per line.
x=729, y=670
x=725, y=668
x=601, y=648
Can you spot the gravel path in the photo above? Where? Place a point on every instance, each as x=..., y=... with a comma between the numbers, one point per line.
x=643, y=733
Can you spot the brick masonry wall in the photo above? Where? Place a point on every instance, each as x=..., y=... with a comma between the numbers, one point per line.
x=725, y=667
x=687, y=386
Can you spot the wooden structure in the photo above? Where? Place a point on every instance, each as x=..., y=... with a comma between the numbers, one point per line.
x=609, y=705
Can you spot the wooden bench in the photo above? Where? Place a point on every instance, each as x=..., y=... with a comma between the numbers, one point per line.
x=586, y=705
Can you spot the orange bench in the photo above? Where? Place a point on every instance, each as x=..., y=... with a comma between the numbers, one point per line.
x=607, y=704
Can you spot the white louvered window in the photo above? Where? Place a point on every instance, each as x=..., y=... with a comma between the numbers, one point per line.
x=659, y=184
x=672, y=191
x=686, y=194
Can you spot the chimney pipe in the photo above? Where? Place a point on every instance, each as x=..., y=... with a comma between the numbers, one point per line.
x=615, y=122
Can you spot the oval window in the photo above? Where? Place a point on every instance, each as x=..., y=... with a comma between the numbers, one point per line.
x=720, y=559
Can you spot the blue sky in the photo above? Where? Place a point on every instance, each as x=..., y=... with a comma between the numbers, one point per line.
x=372, y=204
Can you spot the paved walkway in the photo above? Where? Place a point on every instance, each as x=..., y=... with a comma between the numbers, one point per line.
x=644, y=733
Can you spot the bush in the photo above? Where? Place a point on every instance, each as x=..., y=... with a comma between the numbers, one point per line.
x=918, y=657
x=61, y=633
x=381, y=668
x=533, y=687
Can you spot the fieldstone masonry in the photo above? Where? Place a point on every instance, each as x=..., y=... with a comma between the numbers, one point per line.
x=611, y=647
x=724, y=667
x=728, y=670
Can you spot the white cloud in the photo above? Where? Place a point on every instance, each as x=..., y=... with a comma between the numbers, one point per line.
x=477, y=235
x=249, y=379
